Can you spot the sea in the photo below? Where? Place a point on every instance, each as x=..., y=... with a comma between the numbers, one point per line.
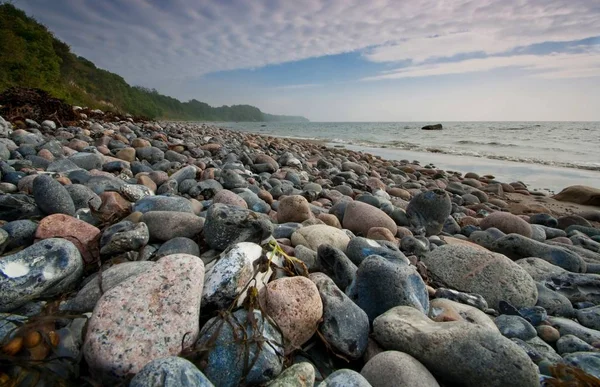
x=544, y=155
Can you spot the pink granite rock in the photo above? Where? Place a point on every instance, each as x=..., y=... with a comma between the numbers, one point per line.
x=146, y=317
x=83, y=235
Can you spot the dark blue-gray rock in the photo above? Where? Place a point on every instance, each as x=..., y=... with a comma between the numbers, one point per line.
x=285, y=230
x=178, y=245
x=544, y=349
x=254, y=203
x=544, y=220
x=88, y=296
x=185, y=173
x=345, y=326
x=13, y=177
x=170, y=371
x=309, y=257
x=589, y=231
x=345, y=378
x=553, y=302
x=83, y=197
x=336, y=265
x=5, y=239
x=44, y=269
x=360, y=248
x=553, y=232
x=515, y=327
x=100, y=184
x=587, y=361
x=150, y=154
x=175, y=157
x=539, y=269
x=571, y=343
x=235, y=351
x=457, y=352
x=51, y=197
x=20, y=232
x=428, y=211
x=17, y=206
x=135, y=192
x=208, y=188
x=163, y=203
x=516, y=246
x=232, y=179
x=382, y=284
x=186, y=185
x=534, y=314
x=569, y=327
x=476, y=270
x=87, y=161
x=166, y=225
x=450, y=226
x=414, y=245
x=169, y=187
x=470, y=299
x=589, y=317
x=577, y=287
x=226, y=225
x=486, y=238
x=124, y=236
x=62, y=166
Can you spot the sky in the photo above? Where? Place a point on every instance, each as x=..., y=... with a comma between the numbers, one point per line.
x=346, y=60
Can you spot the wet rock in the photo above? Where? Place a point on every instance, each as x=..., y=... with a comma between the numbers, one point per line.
x=166, y=225
x=44, y=269
x=474, y=270
x=397, y=369
x=456, y=351
x=124, y=236
x=428, y=211
x=345, y=326
x=170, y=371
x=159, y=308
x=381, y=285
x=51, y=197
x=226, y=225
x=228, y=356
x=295, y=305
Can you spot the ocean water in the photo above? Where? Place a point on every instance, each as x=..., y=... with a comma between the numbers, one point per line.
x=544, y=155
x=561, y=144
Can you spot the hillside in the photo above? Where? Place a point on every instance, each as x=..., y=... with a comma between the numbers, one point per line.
x=30, y=56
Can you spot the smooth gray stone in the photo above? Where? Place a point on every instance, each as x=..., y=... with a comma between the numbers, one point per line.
x=100, y=184
x=166, y=225
x=570, y=327
x=163, y=203
x=345, y=378
x=555, y=303
x=83, y=197
x=397, y=369
x=360, y=248
x=44, y=269
x=170, y=371
x=185, y=173
x=124, y=236
x=345, y=326
x=226, y=225
x=587, y=361
x=51, y=197
x=336, y=265
x=571, y=343
x=309, y=257
x=21, y=233
x=179, y=245
x=150, y=154
x=589, y=317
x=516, y=246
x=538, y=233
x=545, y=350
x=87, y=161
x=515, y=327
x=297, y=375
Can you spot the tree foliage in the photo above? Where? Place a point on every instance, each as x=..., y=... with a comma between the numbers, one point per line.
x=30, y=56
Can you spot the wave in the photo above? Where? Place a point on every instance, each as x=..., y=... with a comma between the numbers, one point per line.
x=492, y=143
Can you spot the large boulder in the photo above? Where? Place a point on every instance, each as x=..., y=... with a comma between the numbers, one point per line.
x=580, y=194
x=475, y=270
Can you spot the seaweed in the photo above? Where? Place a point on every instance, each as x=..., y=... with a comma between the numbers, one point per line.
x=564, y=375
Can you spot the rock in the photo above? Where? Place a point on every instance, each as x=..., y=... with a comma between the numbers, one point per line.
x=44, y=269
x=295, y=305
x=17, y=206
x=570, y=344
x=507, y=223
x=579, y=194
x=87, y=161
x=381, y=233
x=555, y=303
x=227, y=278
x=228, y=356
x=114, y=206
x=589, y=317
x=166, y=225
x=83, y=197
x=163, y=203
x=474, y=270
x=547, y=333
x=471, y=299
x=152, y=315
x=345, y=378
x=360, y=217
x=539, y=269
x=170, y=371
x=297, y=375
x=336, y=265
x=20, y=232
x=441, y=309
x=88, y=296
x=227, y=197
x=178, y=245
x=226, y=225
x=569, y=327
x=51, y=197
x=319, y=234
x=382, y=285
x=428, y=211
x=515, y=327
x=308, y=257
x=397, y=369
x=456, y=352
x=83, y=235
x=516, y=246
x=432, y=127
x=294, y=208
x=587, y=361
x=345, y=326
x=360, y=248
x=124, y=236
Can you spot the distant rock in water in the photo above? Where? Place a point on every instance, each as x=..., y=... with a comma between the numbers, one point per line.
x=580, y=194
x=432, y=127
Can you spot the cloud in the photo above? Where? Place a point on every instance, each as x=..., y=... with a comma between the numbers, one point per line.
x=299, y=86
x=154, y=42
x=558, y=65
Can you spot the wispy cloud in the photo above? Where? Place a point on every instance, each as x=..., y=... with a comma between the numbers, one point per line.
x=296, y=87
x=153, y=41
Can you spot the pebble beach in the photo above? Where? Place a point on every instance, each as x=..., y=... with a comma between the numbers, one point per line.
x=184, y=254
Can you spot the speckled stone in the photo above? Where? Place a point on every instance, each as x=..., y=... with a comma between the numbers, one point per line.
x=170, y=371
x=51, y=197
x=145, y=318
x=83, y=235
